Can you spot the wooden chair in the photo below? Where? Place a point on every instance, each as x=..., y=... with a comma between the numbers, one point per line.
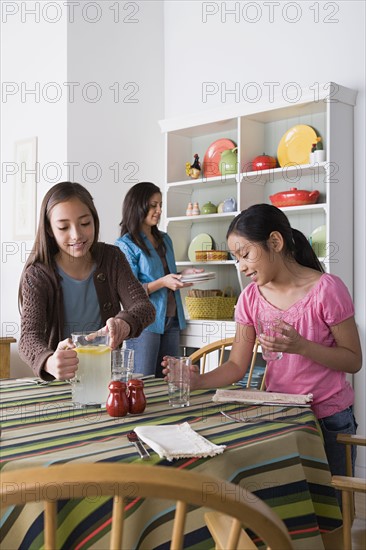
x=5, y=356
x=220, y=346
x=348, y=485
x=19, y=487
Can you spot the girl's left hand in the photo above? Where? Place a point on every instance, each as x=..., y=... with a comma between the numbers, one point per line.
x=287, y=340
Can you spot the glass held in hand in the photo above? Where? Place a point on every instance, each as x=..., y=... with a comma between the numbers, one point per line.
x=269, y=327
x=179, y=381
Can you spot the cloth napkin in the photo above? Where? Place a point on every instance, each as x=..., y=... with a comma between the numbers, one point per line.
x=257, y=396
x=177, y=441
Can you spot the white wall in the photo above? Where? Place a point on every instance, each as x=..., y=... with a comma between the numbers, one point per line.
x=125, y=60
x=33, y=55
x=257, y=43
x=92, y=48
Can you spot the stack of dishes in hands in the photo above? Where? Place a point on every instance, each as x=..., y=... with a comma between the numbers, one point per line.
x=198, y=277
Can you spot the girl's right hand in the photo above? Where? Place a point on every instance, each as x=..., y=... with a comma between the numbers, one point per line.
x=63, y=364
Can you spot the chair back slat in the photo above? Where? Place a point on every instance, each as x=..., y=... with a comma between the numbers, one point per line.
x=178, y=526
x=117, y=522
x=50, y=524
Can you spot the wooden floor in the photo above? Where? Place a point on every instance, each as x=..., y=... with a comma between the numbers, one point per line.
x=359, y=524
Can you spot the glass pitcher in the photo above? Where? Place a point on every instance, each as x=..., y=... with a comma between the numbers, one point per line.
x=90, y=384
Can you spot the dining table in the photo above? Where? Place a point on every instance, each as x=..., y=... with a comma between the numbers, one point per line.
x=275, y=452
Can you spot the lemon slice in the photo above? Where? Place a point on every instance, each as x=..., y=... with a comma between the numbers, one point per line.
x=93, y=349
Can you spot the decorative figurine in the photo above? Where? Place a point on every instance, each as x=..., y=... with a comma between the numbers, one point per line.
x=317, y=152
x=194, y=170
x=189, y=211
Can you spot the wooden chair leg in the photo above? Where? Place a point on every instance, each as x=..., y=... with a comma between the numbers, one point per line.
x=50, y=524
x=350, y=473
x=178, y=527
x=347, y=519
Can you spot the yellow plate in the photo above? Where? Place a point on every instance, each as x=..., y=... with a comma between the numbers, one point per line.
x=295, y=145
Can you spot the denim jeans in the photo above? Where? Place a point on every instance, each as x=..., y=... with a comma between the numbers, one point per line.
x=150, y=347
x=343, y=422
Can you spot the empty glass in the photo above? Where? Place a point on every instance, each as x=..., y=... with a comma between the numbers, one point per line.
x=179, y=381
x=122, y=364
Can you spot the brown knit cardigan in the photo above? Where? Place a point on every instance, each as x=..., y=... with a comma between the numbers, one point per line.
x=42, y=316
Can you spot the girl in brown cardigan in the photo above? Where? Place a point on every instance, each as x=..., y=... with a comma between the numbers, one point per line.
x=71, y=282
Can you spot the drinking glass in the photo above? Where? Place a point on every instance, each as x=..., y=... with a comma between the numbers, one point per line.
x=90, y=384
x=179, y=381
x=122, y=364
x=268, y=327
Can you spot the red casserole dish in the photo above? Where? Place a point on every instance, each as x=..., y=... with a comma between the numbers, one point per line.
x=294, y=197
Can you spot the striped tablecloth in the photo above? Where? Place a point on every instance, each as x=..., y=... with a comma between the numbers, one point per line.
x=281, y=460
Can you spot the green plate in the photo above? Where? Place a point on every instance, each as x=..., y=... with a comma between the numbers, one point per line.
x=318, y=240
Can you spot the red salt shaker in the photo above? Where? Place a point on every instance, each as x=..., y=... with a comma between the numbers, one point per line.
x=136, y=397
x=117, y=402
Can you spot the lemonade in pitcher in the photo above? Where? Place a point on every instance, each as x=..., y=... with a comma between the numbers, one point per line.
x=90, y=384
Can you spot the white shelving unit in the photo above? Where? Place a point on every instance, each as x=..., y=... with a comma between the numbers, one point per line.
x=256, y=129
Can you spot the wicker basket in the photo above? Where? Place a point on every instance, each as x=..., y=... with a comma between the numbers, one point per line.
x=213, y=307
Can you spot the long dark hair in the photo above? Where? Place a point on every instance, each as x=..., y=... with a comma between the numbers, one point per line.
x=45, y=247
x=135, y=208
x=257, y=222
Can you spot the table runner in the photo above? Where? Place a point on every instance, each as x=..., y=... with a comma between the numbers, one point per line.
x=284, y=464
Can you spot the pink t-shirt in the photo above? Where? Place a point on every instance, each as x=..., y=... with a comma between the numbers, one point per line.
x=328, y=303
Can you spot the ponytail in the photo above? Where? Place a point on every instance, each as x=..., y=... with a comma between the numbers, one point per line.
x=303, y=252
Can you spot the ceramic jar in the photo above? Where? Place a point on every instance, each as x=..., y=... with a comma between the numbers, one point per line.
x=209, y=208
x=228, y=161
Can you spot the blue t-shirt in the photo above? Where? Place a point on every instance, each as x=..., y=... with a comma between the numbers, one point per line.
x=81, y=306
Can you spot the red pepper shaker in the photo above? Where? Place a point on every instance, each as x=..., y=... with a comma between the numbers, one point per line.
x=136, y=397
x=117, y=402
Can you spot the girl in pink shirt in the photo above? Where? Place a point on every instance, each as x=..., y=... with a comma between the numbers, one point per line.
x=316, y=330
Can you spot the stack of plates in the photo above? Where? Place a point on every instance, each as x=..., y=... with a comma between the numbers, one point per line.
x=198, y=277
